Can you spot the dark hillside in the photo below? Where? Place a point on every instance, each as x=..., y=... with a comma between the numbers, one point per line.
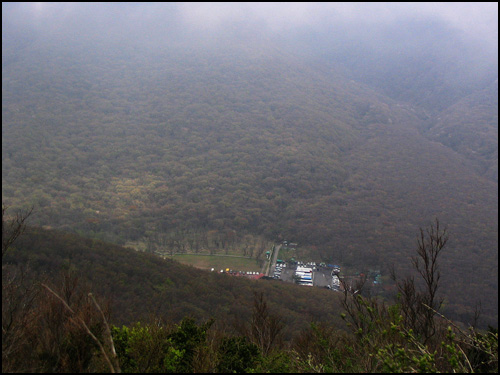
x=165, y=317
x=140, y=286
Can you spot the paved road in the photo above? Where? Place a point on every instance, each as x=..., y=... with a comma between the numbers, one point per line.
x=322, y=277
x=287, y=274
x=272, y=266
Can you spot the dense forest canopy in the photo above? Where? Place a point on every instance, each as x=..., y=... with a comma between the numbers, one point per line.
x=128, y=123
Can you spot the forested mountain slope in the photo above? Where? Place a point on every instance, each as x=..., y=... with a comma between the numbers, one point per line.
x=125, y=143
x=470, y=127
x=449, y=76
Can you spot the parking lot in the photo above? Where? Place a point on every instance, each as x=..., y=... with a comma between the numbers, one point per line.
x=321, y=275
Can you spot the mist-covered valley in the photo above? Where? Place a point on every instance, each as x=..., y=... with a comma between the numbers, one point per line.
x=163, y=124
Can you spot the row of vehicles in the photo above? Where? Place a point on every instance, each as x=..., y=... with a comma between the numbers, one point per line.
x=304, y=276
x=277, y=270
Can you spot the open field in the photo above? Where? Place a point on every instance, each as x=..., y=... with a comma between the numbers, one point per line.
x=218, y=262
x=302, y=253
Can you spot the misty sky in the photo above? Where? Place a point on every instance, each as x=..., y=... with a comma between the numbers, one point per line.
x=461, y=34
x=476, y=20
x=479, y=20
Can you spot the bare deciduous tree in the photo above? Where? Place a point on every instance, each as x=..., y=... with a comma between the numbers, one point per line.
x=265, y=329
x=19, y=294
x=13, y=228
x=415, y=303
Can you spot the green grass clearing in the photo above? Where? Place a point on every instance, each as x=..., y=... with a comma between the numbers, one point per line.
x=218, y=262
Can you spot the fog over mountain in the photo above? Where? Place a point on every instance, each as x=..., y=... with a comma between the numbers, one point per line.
x=342, y=126
x=451, y=44
x=384, y=26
